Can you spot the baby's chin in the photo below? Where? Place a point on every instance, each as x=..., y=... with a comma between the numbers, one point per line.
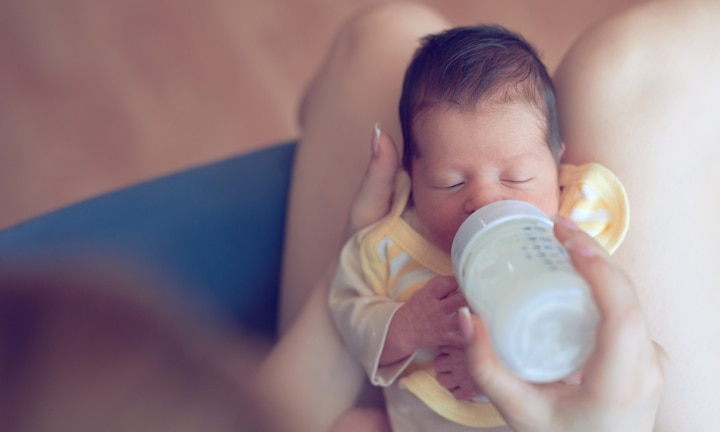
x=446, y=246
x=441, y=240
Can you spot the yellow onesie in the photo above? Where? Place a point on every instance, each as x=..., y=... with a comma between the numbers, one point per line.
x=386, y=263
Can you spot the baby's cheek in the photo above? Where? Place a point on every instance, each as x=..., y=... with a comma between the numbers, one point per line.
x=550, y=205
x=441, y=231
x=448, y=235
x=546, y=199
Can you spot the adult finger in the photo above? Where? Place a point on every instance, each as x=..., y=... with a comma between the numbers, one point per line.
x=518, y=401
x=598, y=269
x=624, y=350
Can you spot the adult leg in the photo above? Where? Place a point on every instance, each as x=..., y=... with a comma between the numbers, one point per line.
x=309, y=376
x=640, y=94
x=359, y=85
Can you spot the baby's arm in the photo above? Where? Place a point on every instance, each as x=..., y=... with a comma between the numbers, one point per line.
x=427, y=319
x=361, y=315
x=383, y=333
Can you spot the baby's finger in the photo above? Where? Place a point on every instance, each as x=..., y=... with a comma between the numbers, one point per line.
x=447, y=380
x=442, y=286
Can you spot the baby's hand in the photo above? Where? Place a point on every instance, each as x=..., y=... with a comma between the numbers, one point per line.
x=430, y=316
x=454, y=375
x=428, y=319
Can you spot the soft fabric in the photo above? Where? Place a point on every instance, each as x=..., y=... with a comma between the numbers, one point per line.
x=596, y=200
x=217, y=230
x=385, y=264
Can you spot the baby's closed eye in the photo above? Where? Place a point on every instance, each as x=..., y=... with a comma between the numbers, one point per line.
x=446, y=182
x=453, y=186
x=516, y=175
x=517, y=180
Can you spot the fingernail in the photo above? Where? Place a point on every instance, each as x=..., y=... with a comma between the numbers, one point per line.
x=465, y=322
x=566, y=223
x=374, y=144
x=575, y=379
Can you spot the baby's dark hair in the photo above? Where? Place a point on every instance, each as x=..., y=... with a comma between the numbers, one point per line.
x=466, y=65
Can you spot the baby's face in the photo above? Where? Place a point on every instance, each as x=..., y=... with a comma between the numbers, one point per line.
x=467, y=159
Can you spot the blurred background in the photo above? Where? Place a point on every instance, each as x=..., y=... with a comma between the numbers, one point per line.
x=99, y=94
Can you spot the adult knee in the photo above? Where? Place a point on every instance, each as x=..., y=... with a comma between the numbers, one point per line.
x=374, y=44
x=648, y=46
x=385, y=26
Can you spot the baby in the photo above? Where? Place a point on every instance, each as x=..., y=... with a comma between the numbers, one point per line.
x=479, y=125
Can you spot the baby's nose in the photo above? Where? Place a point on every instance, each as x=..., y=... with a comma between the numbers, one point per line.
x=480, y=197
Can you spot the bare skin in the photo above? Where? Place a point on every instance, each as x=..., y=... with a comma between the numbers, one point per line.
x=622, y=103
x=656, y=131
x=623, y=379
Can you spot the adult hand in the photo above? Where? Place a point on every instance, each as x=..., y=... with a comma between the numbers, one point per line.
x=374, y=197
x=289, y=376
x=622, y=380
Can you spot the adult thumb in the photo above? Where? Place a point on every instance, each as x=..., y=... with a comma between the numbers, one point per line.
x=374, y=197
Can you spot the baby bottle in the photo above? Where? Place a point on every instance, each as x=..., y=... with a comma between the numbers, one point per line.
x=515, y=274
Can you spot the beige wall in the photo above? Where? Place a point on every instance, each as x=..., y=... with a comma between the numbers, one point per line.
x=96, y=95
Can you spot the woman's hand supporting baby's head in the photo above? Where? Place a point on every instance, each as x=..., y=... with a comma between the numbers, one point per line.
x=374, y=197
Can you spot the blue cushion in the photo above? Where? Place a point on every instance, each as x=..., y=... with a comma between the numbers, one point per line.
x=217, y=228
